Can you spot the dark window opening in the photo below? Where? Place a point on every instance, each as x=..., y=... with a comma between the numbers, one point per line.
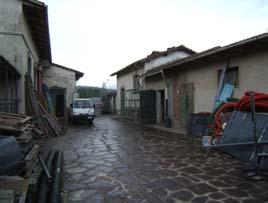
x=29, y=70
x=122, y=94
x=9, y=80
x=231, y=77
x=135, y=82
x=59, y=101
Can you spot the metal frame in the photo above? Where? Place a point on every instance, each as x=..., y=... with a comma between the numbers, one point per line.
x=131, y=104
x=9, y=101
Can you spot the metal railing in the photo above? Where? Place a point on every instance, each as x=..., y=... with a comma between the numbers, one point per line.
x=9, y=105
x=131, y=105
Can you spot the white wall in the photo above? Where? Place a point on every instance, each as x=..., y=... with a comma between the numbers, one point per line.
x=126, y=82
x=58, y=77
x=123, y=82
x=12, y=47
x=156, y=83
x=164, y=59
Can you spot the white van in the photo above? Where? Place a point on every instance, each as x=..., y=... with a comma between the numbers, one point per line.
x=82, y=110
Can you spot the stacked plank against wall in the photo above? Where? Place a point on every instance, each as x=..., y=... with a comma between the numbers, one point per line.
x=46, y=122
x=22, y=174
x=14, y=178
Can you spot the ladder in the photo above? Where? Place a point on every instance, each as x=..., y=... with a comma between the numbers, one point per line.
x=259, y=154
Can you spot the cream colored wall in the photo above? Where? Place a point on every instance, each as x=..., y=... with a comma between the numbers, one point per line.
x=12, y=47
x=253, y=74
x=155, y=83
x=125, y=81
x=59, y=77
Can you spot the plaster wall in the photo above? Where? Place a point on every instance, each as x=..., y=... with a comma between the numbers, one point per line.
x=155, y=83
x=59, y=77
x=253, y=74
x=126, y=81
x=13, y=47
x=123, y=82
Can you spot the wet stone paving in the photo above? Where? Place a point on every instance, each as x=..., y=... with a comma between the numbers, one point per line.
x=115, y=161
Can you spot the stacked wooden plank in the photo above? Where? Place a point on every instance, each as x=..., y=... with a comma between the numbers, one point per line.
x=13, y=186
x=46, y=122
x=12, y=123
x=26, y=130
x=22, y=127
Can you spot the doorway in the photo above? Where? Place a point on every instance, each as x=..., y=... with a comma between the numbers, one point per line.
x=58, y=97
x=59, y=108
x=186, y=103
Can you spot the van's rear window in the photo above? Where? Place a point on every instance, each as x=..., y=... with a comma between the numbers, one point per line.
x=82, y=104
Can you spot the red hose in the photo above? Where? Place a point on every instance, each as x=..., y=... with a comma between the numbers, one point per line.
x=230, y=106
x=261, y=104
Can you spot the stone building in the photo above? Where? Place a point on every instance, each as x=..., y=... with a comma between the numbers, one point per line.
x=24, y=48
x=194, y=79
x=191, y=82
x=131, y=77
x=61, y=82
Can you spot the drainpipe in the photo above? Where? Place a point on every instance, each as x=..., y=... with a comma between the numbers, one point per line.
x=166, y=83
x=164, y=77
x=168, y=119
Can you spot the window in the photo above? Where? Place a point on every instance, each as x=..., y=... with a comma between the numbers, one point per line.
x=82, y=104
x=232, y=76
x=137, y=82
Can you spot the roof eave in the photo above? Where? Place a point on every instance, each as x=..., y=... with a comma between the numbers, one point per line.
x=36, y=14
x=207, y=53
x=78, y=74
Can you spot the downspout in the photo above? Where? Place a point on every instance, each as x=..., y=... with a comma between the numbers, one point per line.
x=164, y=78
x=166, y=93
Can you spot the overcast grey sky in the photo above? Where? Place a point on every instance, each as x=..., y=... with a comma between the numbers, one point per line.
x=98, y=37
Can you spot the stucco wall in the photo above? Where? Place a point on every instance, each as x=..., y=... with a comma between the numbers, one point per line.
x=58, y=77
x=164, y=59
x=253, y=74
x=13, y=47
x=155, y=83
x=123, y=82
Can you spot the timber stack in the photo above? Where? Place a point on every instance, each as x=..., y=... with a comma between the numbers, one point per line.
x=46, y=123
x=19, y=155
x=23, y=171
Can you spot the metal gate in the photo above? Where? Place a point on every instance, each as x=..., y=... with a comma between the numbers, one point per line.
x=148, y=106
x=139, y=105
x=130, y=104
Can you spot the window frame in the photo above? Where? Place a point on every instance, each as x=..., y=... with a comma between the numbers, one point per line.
x=231, y=69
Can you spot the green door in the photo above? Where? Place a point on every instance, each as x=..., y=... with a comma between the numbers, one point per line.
x=186, y=103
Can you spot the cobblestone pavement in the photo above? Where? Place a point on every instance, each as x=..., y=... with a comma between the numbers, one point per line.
x=115, y=161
